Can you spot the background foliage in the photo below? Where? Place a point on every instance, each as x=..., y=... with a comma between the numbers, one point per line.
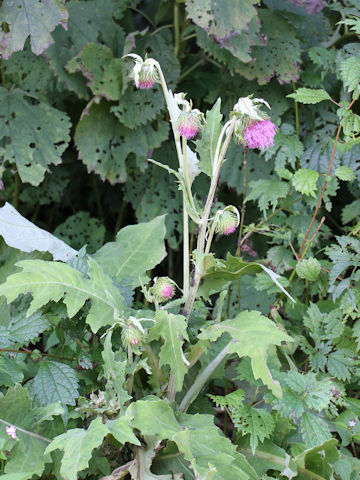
x=284, y=399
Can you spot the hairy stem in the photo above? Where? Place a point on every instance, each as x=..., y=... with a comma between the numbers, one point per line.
x=176, y=28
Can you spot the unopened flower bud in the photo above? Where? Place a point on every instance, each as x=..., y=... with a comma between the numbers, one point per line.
x=189, y=123
x=147, y=77
x=227, y=220
x=164, y=289
x=131, y=336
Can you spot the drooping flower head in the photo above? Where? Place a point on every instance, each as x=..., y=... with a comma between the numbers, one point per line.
x=163, y=289
x=189, y=123
x=253, y=128
x=227, y=220
x=11, y=431
x=145, y=72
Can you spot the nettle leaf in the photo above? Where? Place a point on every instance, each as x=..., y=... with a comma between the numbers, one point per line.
x=27, y=454
x=304, y=181
x=34, y=134
x=286, y=149
x=10, y=372
x=267, y=192
x=103, y=71
x=309, y=269
x=24, y=330
x=52, y=281
x=206, y=146
x=309, y=95
x=137, y=107
x=77, y=445
x=280, y=57
x=314, y=429
x=137, y=248
x=54, y=382
x=30, y=18
x=81, y=229
x=345, y=173
x=343, y=255
x=350, y=73
x=173, y=330
x=252, y=335
x=350, y=212
x=104, y=143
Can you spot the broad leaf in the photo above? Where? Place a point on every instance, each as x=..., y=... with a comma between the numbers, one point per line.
x=345, y=173
x=77, y=445
x=304, y=181
x=308, y=95
x=54, y=382
x=137, y=248
x=103, y=71
x=20, y=233
x=34, y=134
x=314, y=429
x=252, y=335
x=267, y=192
x=206, y=146
x=30, y=18
x=172, y=329
x=52, y=281
x=104, y=143
x=350, y=73
x=10, y=372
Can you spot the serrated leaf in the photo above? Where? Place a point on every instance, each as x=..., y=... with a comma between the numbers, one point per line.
x=137, y=248
x=286, y=149
x=304, y=181
x=173, y=330
x=137, y=107
x=350, y=212
x=54, y=382
x=267, y=192
x=10, y=372
x=24, y=329
x=350, y=72
x=309, y=95
x=77, y=445
x=103, y=71
x=104, y=143
x=28, y=452
x=30, y=18
x=345, y=173
x=252, y=335
x=308, y=269
x=206, y=146
x=314, y=429
x=20, y=233
x=34, y=134
x=52, y=281
x=121, y=430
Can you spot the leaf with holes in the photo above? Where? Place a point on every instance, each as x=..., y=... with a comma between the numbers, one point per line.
x=137, y=107
x=252, y=335
x=30, y=18
x=104, y=143
x=34, y=134
x=103, y=71
x=54, y=382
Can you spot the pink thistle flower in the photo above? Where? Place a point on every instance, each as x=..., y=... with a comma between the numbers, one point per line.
x=163, y=289
x=11, y=431
x=260, y=134
x=188, y=124
x=229, y=230
x=145, y=84
x=168, y=291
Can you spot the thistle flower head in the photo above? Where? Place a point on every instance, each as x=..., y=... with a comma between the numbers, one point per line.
x=227, y=220
x=189, y=123
x=164, y=289
x=253, y=127
x=260, y=134
x=131, y=336
x=145, y=72
x=11, y=431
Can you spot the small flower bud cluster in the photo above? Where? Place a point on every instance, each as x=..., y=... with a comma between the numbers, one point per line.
x=227, y=220
x=11, y=431
x=145, y=72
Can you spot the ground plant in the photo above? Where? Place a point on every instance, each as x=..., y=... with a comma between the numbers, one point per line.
x=180, y=238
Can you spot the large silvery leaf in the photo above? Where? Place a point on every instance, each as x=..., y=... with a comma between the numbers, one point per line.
x=172, y=329
x=27, y=452
x=20, y=233
x=53, y=281
x=104, y=143
x=34, y=135
x=54, y=382
x=206, y=146
x=252, y=335
x=30, y=18
x=103, y=71
x=137, y=248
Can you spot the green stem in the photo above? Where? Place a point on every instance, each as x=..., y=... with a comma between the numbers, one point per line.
x=186, y=253
x=191, y=69
x=176, y=28
x=131, y=377
x=29, y=352
x=201, y=379
x=97, y=197
x=120, y=217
